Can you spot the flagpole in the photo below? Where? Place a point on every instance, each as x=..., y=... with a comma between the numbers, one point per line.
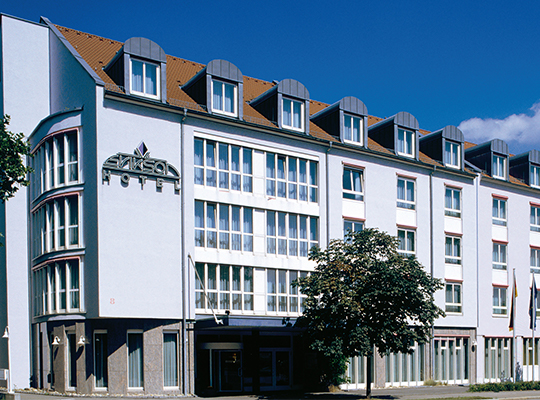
x=514, y=301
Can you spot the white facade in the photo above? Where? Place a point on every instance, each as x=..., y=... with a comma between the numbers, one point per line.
x=168, y=216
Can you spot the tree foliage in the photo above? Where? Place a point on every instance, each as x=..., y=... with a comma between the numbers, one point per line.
x=13, y=148
x=363, y=295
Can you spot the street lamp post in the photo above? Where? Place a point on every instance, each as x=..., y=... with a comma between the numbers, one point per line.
x=6, y=336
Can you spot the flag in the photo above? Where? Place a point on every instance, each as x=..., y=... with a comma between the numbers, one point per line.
x=532, y=305
x=513, y=304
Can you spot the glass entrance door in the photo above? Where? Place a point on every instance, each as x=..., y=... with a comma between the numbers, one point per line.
x=275, y=373
x=230, y=370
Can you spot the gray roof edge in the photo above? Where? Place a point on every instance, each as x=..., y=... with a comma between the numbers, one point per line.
x=74, y=52
x=52, y=116
x=216, y=68
x=144, y=53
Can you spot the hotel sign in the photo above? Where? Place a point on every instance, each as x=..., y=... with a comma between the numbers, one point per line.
x=141, y=166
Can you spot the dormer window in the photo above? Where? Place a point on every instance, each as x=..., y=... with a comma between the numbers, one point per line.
x=452, y=156
x=293, y=114
x=353, y=129
x=405, y=143
x=534, y=179
x=499, y=167
x=144, y=79
x=224, y=98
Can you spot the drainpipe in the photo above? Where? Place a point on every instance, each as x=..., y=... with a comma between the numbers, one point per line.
x=185, y=268
x=327, y=194
x=431, y=261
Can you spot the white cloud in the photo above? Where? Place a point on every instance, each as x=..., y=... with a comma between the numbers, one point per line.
x=522, y=130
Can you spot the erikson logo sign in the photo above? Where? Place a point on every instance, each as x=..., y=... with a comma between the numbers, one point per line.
x=140, y=165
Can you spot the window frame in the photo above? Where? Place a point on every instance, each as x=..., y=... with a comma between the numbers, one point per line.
x=498, y=166
x=534, y=260
x=141, y=333
x=454, y=307
x=452, y=258
x=144, y=93
x=177, y=358
x=221, y=110
x=292, y=126
x=499, y=207
x=500, y=294
x=534, y=176
x=406, y=252
x=101, y=332
x=280, y=240
x=500, y=256
x=404, y=202
x=452, y=149
x=353, y=223
x=535, y=218
x=402, y=143
x=352, y=119
x=452, y=211
x=353, y=194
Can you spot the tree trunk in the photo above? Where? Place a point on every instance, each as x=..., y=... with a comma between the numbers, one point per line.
x=368, y=376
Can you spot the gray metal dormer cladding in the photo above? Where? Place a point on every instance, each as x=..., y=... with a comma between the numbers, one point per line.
x=202, y=87
x=145, y=51
x=396, y=131
x=332, y=119
x=271, y=103
x=437, y=144
x=484, y=156
x=524, y=166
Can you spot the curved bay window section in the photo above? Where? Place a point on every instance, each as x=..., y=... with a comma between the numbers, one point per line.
x=56, y=162
x=56, y=287
x=55, y=225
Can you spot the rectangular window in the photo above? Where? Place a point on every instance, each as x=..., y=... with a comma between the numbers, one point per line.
x=352, y=226
x=452, y=202
x=101, y=355
x=499, y=167
x=291, y=177
x=405, y=193
x=281, y=295
x=452, y=155
x=224, y=98
x=353, y=129
x=290, y=234
x=535, y=219
x=225, y=227
x=170, y=359
x=144, y=79
x=534, y=178
x=405, y=143
x=497, y=359
x=228, y=165
x=453, y=298
x=535, y=261
x=499, y=212
x=499, y=256
x=135, y=360
x=499, y=301
x=293, y=114
x=353, y=184
x=452, y=250
x=406, y=239
x=235, y=289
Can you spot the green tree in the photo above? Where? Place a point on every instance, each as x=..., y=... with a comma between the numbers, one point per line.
x=13, y=148
x=362, y=296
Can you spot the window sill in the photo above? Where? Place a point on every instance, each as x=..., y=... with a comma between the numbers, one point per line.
x=225, y=113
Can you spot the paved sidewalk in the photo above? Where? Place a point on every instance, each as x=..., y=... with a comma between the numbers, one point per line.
x=414, y=393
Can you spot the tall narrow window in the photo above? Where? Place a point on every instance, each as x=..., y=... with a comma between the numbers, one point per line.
x=452, y=250
x=101, y=354
x=224, y=98
x=452, y=202
x=535, y=261
x=293, y=113
x=499, y=300
x=452, y=155
x=135, y=360
x=353, y=129
x=353, y=187
x=498, y=167
x=73, y=218
x=453, y=297
x=405, y=143
x=535, y=219
x=72, y=360
x=534, y=179
x=499, y=256
x=170, y=359
x=144, y=78
x=499, y=211
x=405, y=193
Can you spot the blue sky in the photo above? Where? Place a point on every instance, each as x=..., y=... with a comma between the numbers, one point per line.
x=473, y=64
